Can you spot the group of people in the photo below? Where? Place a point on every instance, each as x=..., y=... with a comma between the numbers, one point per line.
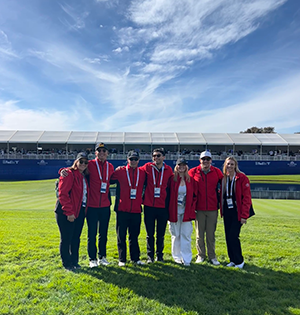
x=176, y=196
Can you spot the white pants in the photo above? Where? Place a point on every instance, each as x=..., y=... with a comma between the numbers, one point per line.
x=181, y=233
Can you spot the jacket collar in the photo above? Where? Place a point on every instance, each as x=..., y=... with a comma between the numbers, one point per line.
x=100, y=162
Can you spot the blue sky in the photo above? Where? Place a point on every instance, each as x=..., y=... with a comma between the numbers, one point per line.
x=150, y=65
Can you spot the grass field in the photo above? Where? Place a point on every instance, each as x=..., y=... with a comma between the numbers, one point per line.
x=32, y=280
x=275, y=179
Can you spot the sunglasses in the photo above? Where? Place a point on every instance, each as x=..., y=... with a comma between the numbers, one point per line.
x=156, y=155
x=101, y=150
x=133, y=159
x=206, y=159
x=84, y=162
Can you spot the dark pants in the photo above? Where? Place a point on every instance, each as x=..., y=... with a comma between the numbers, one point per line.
x=160, y=215
x=70, y=237
x=97, y=221
x=132, y=223
x=232, y=234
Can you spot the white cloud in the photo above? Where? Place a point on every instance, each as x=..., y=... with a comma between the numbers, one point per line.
x=118, y=50
x=279, y=106
x=71, y=64
x=94, y=60
x=75, y=20
x=182, y=30
x=5, y=46
x=14, y=117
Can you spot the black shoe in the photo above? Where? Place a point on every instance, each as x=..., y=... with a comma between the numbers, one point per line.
x=160, y=259
x=69, y=268
x=76, y=266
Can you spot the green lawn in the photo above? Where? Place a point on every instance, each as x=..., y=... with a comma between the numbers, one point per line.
x=275, y=179
x=32, y=280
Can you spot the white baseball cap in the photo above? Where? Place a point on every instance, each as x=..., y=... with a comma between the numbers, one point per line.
x=205, y=154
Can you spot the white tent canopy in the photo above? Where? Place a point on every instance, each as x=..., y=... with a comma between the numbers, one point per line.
x=147, y=138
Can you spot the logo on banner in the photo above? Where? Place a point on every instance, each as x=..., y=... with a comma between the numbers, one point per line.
x=292, y=164
x=69, y=162
x=10, y=162
x=263, y=163
x=42, y=162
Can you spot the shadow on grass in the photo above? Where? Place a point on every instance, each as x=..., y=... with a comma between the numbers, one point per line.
x=208, y=290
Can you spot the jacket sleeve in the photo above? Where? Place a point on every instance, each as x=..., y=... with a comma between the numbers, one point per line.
x=246, y=197
x=61, y=169
x=64, y=188
x=221, y=197
x=192, y=172
x=111, y=169
x=220, y=175
x=168, y=190
x=143, y=167
x=114, y=177
x=172, y=204
x=195, y=193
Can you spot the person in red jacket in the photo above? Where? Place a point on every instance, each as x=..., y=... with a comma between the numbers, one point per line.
x=235, y=208
x=70, y=210
x=98, y=212
x=155, y=202
x=208, y=179
x=130, y=181
x=181, y=212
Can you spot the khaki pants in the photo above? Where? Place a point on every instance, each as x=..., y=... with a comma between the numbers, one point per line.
x=206, y=223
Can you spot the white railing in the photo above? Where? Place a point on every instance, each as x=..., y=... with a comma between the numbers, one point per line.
x=114, y=156
x=275, y=194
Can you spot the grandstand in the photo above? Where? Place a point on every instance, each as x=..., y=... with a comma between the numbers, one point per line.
x=65, y=144
x=26, y=155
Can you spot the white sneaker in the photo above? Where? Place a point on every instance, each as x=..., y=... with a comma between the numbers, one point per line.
x=215, y=262
x=199, y=260
x=231, y=264
x=139, y=262
x=122, y=264
x=178, y=261
x=93, y=263
x=186, y=264
x=241, y=266
x=103, y=261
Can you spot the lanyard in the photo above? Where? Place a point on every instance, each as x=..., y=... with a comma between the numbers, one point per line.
x=161, y=176
x=84, y=193
x=137, y=178
x=100, y=172
x=231, y=188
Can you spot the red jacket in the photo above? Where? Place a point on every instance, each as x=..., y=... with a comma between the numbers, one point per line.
x=207, y=197
x=190, y=203
x=149, y=199
x=97, y=199
x=70, y=192
x=123, y=201
x=242, y=195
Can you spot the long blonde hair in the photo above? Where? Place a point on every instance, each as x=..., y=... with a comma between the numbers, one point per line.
x=186, y=174
x=236, y=166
